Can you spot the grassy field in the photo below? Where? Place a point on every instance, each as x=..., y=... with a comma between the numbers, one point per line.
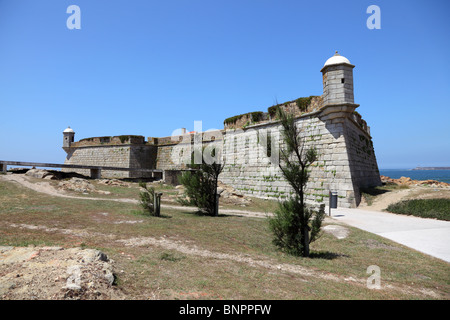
x=425, y=208
x=169, y=196
x=186, y=256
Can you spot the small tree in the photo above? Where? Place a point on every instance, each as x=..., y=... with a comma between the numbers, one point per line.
x=147, y=198
x=293, y=224
x=201, y=184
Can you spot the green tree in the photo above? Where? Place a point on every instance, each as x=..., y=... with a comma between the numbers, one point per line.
x=201, y=182
x=147, y=198
x=295, y=225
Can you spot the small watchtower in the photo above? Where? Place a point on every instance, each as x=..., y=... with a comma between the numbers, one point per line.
x=337, y=80
x=69, y=136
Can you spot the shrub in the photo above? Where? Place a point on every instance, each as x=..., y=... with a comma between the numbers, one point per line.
x=201, y=185
x=232, y=120
x=123, y=139
x=286, y=225
x=293, y=225
x=256, y=116
x=303, y=103
x=425, y=208
x=252, y=116
x=147, y=198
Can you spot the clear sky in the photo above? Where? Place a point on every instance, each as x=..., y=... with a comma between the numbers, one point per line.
x=150, y=67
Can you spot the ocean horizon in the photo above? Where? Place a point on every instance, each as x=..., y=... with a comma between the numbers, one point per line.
x=439, y=175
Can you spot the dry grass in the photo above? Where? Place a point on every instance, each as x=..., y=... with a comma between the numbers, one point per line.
x=186, y=256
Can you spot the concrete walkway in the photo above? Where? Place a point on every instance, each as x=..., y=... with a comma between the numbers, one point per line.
x=429, y=236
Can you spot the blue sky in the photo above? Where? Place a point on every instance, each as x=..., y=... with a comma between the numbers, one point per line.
x=150, y=67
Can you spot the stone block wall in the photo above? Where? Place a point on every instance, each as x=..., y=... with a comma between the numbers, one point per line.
x=111, y=156
x=363, y=163
x=122, y=156
x=251, y=171
x=338, y=84
x=174, y=153
x=142, y=157
x=345, y=163
x=346, y=159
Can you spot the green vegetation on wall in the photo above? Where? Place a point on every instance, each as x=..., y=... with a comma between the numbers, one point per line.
x=303, y=103
x=252, y=116
x=126, y=138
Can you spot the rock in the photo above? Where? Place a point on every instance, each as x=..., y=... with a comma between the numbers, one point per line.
x=77, y=184
x=408, y=181
x=109, y=275
x=92, y=255
x=405, y=180
x=56, y=273
x=339, y=232
x=114, y=182
x=40, y=174
x=72, y=286
x=5, y=248
x=225, y=194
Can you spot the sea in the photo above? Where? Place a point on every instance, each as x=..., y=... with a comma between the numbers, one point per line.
x=439, y=175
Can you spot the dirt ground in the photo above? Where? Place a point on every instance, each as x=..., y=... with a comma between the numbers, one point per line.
x=45, y=273
x=48, y=273
x=382, y=201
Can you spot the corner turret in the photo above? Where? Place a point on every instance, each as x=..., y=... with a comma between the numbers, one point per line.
x=69, y=136
x=337, y=80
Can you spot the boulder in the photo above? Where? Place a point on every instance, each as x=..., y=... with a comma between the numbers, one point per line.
x=77, y=184
x=39, y=173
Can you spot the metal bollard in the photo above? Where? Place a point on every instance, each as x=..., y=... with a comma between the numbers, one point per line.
x=333, y=201
x=157, y=203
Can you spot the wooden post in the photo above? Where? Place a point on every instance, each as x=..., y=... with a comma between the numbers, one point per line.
x=3, y=167
x=216, y=209
x=306, y=244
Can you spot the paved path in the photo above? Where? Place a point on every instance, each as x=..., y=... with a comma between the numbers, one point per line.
x=425, y=235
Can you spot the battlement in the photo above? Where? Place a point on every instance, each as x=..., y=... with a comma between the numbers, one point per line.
x=298, y=108
x=111, y=141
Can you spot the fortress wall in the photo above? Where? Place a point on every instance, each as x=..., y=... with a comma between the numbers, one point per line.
x=113, y=156
x=346, y=160
x=250, y=171
x=363, y=162
x=172, y=155
x=124, y=156
x=142, y=157
x=164, y=158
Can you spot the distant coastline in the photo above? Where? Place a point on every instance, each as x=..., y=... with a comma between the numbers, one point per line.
x=431, y=168
x=430, y=173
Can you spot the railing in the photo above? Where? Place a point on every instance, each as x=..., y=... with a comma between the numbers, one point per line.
x=95, y=170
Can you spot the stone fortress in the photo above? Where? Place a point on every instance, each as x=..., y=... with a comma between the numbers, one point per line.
x=249, y=143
